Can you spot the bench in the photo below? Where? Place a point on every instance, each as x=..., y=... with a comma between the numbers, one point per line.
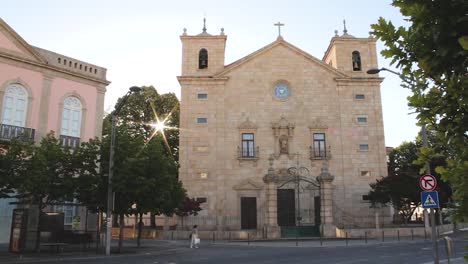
x=57, y=245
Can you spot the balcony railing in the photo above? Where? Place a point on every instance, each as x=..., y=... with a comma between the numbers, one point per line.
x=319, y=154
x=248, y=154
x=68, y=141
x=8, y=132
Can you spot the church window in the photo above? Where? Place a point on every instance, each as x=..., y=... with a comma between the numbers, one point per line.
x=95, y=71
x=202, y=120
x=362, y=119
x=319, y=149
x=201, y=200
x=365, y=197
x=359, y=96
x=248, y=145
x=202, y=96
x=15, y=103
x=203, y=59
x=59, y=60
x=71, y=117
x=356, y=61
x=365, y=173
x=363, y=147
x=76, y=64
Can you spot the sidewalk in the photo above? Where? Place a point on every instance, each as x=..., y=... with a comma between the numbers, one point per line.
x=76, y=252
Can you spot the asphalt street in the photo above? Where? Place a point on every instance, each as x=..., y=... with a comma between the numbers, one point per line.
x=285, y=252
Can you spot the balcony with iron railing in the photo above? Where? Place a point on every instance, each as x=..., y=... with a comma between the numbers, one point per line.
x=68, y=141
x=8, y=132
x=248, y=154
x=319, y=154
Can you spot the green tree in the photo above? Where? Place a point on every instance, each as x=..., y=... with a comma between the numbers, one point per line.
x=432, y=54
x=42, y=174
x=145, y=168
x=401, y=187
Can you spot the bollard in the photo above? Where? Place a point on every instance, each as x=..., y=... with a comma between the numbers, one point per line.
x=365, y=237
x=229, y=236
x=412, y=234
x=321, y=242
x=248, y=238
x=383, y=236
x=398, y=235
x=346, y=237
x=172, y=235
x=448, y=247
x=214, y=238
x=425, y=234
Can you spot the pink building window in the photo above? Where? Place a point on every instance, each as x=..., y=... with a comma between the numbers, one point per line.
x=71, y=117
x=15, y=103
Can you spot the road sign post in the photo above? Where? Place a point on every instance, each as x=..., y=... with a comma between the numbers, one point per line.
x=430, y=200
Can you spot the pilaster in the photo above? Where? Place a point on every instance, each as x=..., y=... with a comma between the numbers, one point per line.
x=327, y=227
x=44, y=106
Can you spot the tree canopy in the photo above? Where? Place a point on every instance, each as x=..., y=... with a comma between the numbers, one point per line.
x=401, y=187
x=432, y=54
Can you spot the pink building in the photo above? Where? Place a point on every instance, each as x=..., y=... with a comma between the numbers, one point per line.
x=43, y=91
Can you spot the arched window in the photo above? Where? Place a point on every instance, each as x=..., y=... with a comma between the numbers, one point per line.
x=71, y=117
x=15, y=103
x=356, y=61
x=203, y=59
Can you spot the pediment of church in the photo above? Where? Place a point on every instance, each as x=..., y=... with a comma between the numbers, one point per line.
x=248, y=185
x=247, y=124
x=291, y=54
x=14, y=45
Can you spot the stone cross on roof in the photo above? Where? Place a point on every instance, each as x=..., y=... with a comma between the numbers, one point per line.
x=279, y=25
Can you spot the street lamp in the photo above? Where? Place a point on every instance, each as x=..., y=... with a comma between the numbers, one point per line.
x=428, y=168
x=110, y=196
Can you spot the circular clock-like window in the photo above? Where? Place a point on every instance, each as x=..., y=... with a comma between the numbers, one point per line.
x=281, y=91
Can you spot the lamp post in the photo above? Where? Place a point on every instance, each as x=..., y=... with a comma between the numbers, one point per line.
x=110, y=196
x=428, y=169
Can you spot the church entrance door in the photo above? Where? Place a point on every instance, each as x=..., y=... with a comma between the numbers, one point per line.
x=248, y=212
x=286, y=205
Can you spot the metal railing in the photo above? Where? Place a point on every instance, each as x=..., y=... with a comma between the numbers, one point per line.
x=68, y=141
x=8, y=132
x=248, y=154
x=319, y=154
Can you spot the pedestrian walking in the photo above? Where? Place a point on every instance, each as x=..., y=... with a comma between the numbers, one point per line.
x=194, y=239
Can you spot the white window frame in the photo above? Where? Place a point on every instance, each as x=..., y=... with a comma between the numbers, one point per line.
x=69, y=211
x=16, y=114
x=72, y=113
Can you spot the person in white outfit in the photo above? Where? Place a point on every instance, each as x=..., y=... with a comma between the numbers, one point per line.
x=193, y=236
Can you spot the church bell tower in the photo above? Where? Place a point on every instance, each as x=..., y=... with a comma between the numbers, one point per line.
x=351, y=55
x=203, y=54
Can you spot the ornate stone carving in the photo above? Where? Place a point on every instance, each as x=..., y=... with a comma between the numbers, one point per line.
x=247, y=124
x=318, y=123
x=284, y=146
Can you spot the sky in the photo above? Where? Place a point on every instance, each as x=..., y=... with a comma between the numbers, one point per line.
x=139, y=41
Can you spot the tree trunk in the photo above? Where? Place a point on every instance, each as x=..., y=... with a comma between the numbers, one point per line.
x=153, y=220
x=98, y=229
x=121, y=231
x=38, y=230
x=140, y=226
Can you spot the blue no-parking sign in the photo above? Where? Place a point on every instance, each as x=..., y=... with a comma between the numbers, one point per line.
x=430, y=199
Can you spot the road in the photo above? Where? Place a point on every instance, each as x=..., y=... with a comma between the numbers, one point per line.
x=277, y=252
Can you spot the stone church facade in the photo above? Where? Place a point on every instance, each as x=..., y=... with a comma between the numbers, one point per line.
x=279, y=138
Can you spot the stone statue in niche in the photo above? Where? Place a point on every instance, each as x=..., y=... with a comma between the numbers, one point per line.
x=283, y=142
